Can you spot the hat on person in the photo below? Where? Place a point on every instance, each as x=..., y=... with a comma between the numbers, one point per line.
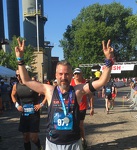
x=55, y=80
x=77, y=70
x=135, y=78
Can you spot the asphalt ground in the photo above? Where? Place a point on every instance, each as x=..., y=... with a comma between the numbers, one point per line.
x=114, y=131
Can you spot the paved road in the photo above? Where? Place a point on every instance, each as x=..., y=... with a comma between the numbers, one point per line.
x=116, y=131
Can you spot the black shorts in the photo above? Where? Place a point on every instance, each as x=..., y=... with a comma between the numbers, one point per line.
x=82, y=114
x=109, y=97
x=29, y=123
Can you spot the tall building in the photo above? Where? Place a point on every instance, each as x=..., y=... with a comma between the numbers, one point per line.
x=33, y=27
x=33, y=21
x=33, y=24
x=13, y=18
x=2, y=35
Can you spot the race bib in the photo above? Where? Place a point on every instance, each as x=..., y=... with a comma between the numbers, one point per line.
x=108, y=90
x=62, y=122
x=28, y=109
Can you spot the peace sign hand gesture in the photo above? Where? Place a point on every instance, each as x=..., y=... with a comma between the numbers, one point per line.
x=19, y=50
x=108, y=50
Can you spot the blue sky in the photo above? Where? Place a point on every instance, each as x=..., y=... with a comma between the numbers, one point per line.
x=60, y=14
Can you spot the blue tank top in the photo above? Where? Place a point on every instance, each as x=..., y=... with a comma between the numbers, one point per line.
x=63, y=129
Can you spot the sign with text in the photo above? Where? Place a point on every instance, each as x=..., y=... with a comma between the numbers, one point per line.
x=127, y=67
x=119, y=68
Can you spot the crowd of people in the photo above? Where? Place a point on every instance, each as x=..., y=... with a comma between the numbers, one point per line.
x=5, y=97
x=132, y=96
x=67, y=97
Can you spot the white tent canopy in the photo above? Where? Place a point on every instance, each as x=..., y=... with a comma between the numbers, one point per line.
x=6, y=72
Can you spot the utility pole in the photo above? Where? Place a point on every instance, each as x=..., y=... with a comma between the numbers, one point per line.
x=37, y=25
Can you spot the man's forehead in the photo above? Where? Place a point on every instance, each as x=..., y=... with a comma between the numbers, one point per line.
x=62, y=68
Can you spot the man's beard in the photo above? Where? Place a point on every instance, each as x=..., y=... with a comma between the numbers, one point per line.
x=64, y=86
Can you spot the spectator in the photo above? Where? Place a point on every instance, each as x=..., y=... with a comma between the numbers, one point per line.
x=98, y=73
x=5, y=91
x=1, y=108
x=55, y=82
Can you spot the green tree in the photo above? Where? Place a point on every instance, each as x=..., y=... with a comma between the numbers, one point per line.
x=132, y=25
x=4, y=58
x=9, y=59
x=82, y=40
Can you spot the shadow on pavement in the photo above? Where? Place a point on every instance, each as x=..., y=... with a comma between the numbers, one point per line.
x=119, y=144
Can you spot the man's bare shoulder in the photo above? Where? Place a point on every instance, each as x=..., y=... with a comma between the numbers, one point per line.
x=78, y=86
x=49, y=89
x=81, y=89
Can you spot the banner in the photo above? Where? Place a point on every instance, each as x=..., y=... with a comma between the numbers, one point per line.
x=127, y=67
x=119, y=68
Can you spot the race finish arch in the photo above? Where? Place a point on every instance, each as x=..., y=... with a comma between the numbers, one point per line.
x=116, y=68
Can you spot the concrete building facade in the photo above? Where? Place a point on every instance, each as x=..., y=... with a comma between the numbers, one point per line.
x=13, y=18
x=2, y=35
x=30, y=13
x=33, y=30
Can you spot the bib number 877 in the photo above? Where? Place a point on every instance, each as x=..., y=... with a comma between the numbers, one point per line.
x=61, y=122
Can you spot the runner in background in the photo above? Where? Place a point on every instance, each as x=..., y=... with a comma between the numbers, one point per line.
x=107, y=94
x=114, y=95
x=78, y=79
x=27, y=103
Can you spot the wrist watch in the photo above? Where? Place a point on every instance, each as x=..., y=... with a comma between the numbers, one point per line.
x=41, y=104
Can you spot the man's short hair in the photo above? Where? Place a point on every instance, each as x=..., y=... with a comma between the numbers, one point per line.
x=64, y=63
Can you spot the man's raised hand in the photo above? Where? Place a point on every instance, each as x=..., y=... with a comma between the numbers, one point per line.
x=108, y=50
x=19, y=50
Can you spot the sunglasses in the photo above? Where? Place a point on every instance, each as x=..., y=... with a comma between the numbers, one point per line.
x=76, y=73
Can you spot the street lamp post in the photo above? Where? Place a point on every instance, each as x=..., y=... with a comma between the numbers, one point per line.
x=37, y=25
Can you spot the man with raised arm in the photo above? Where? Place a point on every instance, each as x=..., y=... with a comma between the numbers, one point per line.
x=29, y=109
x=62, y=125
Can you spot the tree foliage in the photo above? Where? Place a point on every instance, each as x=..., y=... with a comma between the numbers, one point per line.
x=4, y=58
x=82, y=40
x=9, y=59
x=132, y=25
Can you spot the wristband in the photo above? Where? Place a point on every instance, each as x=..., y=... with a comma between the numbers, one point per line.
x=21, y=63
x=16, y=104
x=20, y=58
x=109, y=62
x=41, y=104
